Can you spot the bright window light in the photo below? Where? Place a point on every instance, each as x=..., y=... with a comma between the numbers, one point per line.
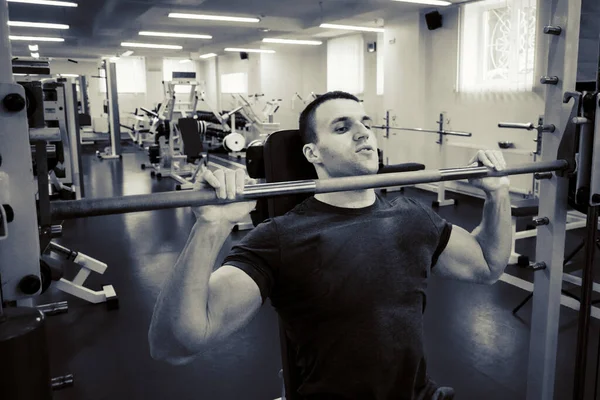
x=127, y=53
x=68, y=75
x=293, y=41
x=46, y=3
x=33, y=47
x=352, y=28
x=152, y=46
x=37, y=25
x=235, y=49
x=177, y=35
x=36, y=38
x=35, y=55
x=208, y=55
x=427, y=2
x=213, y=17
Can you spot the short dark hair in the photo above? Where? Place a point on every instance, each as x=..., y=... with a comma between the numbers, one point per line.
x=307, y=118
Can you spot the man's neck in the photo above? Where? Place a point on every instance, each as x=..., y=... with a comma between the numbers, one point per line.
x=351, y=199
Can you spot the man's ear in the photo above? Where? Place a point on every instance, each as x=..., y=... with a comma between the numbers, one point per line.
x=311, y=152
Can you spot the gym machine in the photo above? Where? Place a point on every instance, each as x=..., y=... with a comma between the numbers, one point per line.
x=304, y=102
x=113, y=151
x=442, y=142
x=261, y=124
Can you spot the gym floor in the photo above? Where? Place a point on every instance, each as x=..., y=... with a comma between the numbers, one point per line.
x=473, y=341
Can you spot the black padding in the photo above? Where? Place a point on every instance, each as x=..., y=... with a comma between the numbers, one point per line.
x=524, y=208
x=284, y=161
x=190, y=135
x=407, y=167
x=255, y=162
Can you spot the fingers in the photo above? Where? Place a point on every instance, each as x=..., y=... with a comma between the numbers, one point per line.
x=230, y=184
x=497, y=159
x=490, y=158
x=240, y=180
x=221, y=188
x=227, y=183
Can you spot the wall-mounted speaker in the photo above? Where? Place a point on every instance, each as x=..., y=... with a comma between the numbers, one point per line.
x=434, y=20
x=244, y=55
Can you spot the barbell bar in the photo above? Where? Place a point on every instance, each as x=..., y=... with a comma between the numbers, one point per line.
x=71, y=209
x=442, y=132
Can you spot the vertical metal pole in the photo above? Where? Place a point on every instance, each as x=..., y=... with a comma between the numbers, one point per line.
x=113, y=101
x=19, y=251
x=560, y=60
x=6, y=75
x=85, y=106
x=72, y=117
x=585, y=308
x=441, y=192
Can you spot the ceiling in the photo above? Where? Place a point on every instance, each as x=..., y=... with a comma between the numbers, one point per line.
x=97, y=27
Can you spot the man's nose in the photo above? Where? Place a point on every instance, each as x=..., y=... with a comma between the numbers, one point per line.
x=362, y=132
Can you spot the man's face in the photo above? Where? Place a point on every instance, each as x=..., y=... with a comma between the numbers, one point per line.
x=346, y=146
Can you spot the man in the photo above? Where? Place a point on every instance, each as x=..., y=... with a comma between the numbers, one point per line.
x=347, y=271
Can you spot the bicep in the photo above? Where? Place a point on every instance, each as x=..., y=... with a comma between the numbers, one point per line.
x=462, y=259
x=233, y=300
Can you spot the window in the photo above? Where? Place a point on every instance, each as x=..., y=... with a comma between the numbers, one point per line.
x=345, y=64
x=234, y=83
x=171, y=65
x=131, y=75
x=380, y=64
x=497, y=46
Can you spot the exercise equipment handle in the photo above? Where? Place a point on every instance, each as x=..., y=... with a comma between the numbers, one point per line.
x=157, y=201
x=513, y=125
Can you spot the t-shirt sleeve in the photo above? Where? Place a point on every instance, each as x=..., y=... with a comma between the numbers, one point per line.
x=258, y=255
x=441, y=226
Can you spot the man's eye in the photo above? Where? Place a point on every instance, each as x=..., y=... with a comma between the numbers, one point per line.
x=341, y=129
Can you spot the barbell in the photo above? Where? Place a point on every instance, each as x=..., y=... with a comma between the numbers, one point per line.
x=60, y=210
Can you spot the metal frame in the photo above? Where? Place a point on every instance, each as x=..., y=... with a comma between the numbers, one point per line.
x=561, y=53
x=19, y=251
x=442, y=150
x=114, y=123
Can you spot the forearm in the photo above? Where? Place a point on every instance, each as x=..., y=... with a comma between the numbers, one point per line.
x=179, y=322
x=494, y=232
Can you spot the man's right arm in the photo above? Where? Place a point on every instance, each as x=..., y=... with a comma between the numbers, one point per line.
x=197, y=306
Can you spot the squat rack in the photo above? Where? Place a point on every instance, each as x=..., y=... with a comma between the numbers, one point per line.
x=559, y=19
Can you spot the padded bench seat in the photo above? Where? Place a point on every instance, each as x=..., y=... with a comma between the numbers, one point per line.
x=524, y=208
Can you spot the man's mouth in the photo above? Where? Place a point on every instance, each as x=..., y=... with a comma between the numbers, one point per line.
x=364, y=149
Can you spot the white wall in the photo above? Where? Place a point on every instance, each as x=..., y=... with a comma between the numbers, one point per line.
x=291, y=70
x=232, y=63
x=373, y=103
x=404, y=86
x=154, y=87
x=420, y=83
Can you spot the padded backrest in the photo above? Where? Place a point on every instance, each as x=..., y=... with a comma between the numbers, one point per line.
x=284, y=161
x=190, y=135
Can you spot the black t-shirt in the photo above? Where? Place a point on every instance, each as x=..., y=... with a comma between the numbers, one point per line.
x=349, y=286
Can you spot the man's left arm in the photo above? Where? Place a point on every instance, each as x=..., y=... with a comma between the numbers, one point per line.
x=482, y=255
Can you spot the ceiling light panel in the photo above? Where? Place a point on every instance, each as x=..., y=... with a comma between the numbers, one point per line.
x=293, y=41
x=35, y=38
x=352, y=28
x=46, y=3
x=37, y=25
x=206, y=17
x=177, y=35
x=152, y=46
